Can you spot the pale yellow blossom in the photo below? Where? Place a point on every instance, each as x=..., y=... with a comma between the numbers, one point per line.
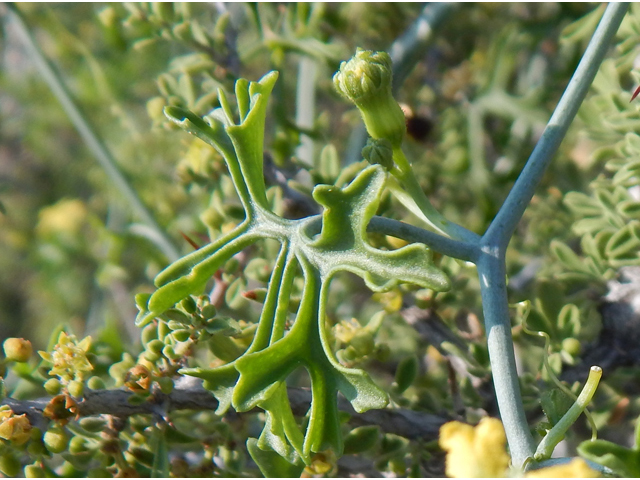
x=69, y=358
x=577, y=468
x=476, y=452
x=14, y=428
x=480, y=452
x=67, y=217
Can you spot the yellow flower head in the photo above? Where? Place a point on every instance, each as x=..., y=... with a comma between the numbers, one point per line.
x=14, y=428
x=577, y=468
x=480, y=452
x=69, y=358
x=476, y=452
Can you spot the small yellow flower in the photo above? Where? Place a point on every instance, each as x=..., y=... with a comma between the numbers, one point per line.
x=69, y=358
x=345, y=330
x=14, y=428
x=480, y=452
x=577, y=468
x=476, y=452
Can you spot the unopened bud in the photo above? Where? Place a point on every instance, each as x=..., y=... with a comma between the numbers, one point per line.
x=366, y=81
x=379, y=152
x=17, y=349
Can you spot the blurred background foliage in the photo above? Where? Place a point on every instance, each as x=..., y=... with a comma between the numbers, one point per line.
x=477, y=101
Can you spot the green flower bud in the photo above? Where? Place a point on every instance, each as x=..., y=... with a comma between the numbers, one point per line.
x=363, y=342
x=96, y=383
x=9, y=465
x=33, y=471
x=365, y=80
x=379, y=152
x=75, y=388
x=166, y=385
x=142, y=455
x=36, y=448
x=52, y=386
x=93, y=424
x=209, y=311
x=56, y=439
x=572, y=346
x=78, y=445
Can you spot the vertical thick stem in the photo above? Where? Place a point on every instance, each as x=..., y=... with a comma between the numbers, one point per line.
x=491, y=264
x=491, y=272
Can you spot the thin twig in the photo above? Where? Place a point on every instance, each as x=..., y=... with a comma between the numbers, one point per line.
x=100, y=152
x=406, y=423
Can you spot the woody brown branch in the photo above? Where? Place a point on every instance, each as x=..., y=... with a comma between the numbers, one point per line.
x=190, y=395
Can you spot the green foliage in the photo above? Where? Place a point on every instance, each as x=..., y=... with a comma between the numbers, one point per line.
x=277, y=296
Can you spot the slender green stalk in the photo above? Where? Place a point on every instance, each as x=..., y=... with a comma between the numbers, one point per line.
x=404, y=173
x=553, y=436
x=94, y=144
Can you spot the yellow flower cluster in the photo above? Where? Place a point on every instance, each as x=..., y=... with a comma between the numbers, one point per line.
x=65, y=217
x=480, y=452
x=69, y=358
x=14, y=428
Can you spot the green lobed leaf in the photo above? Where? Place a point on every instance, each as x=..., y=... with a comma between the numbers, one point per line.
x=256, y=377
x=555, y=403
x=623, y=461
x=271, y=464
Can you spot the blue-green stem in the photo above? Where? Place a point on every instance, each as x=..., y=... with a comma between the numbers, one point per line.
x=511, y=212
x=96, y=147
x=553, y=436
x=409, y=48
x=552, y=462
x=493, y=288
x=489, y=252
x=452, y=248
x=491, y=264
